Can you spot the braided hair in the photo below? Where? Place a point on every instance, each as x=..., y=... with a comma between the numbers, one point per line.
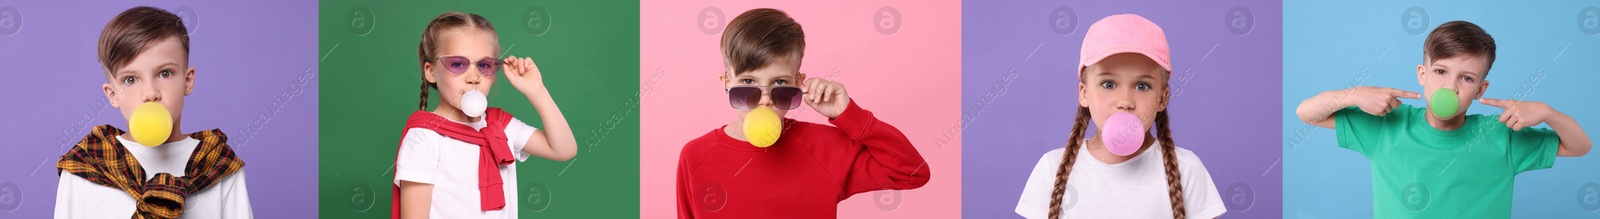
x=1168, y=152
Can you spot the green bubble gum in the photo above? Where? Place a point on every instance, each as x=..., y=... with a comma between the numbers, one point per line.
x=1444, y=103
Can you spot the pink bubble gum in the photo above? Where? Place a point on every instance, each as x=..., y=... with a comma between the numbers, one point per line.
x=1122, y=134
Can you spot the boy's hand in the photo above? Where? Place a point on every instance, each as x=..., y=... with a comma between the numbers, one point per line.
x=1520, y=114
x=827, y=97
x=1378, y=101
x=523, y=73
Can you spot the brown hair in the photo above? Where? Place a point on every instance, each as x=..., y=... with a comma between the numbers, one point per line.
x=428, y=49
x=130, y=32
x=759, y=37
x=1458, y=38
x=1168, y=156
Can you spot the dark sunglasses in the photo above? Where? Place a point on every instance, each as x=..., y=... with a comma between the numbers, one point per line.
x=459, y=64
x=747, y=97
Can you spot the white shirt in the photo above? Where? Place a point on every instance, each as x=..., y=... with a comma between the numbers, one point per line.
x=77, y=197
x=1136, y=188
x=452, y=167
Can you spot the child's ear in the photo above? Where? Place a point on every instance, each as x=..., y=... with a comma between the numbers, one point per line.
x=723, y=78
x=1421, y=72
x=1083, y=95
x=1482, y=89
x=801, y=77
x=1166, y=94
x=1083, y=92
x=426, y=75
x=188, y=81
x=1165, y=97
x=111, y=95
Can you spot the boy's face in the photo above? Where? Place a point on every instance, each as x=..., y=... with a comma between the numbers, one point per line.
x=783, y=72
x=1127, y=82
x=1463, y=73
x=160, y=73
x=471, y=43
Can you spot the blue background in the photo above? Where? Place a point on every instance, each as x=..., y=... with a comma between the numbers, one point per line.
x=1327, y=45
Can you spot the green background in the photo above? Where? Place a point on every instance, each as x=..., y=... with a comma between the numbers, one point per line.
x=587, y=51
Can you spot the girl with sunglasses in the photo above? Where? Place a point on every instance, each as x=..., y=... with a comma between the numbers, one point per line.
x=809, y=167
x=456, y=161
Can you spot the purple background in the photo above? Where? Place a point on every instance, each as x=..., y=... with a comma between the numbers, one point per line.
x=255, y=79
x=1225, y=110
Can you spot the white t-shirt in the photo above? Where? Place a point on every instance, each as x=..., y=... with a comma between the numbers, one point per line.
x=452, y=167
x=1136, y=188
x=77, y=197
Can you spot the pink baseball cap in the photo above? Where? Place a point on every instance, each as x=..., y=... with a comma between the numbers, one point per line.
x=1124, y=33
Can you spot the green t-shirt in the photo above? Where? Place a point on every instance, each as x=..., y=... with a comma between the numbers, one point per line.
x=1422, y=172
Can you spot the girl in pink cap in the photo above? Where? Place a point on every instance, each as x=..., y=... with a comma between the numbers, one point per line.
x=1123, y=70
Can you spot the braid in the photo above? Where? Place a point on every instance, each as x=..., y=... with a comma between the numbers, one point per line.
x=423, y=105
x=1071, y=155
x=1169, y=157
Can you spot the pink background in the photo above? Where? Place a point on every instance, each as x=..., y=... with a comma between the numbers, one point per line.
x=909, y=78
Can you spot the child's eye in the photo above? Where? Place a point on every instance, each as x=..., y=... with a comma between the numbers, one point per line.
x=1468, y=79
x=483, y=66
x=458, y=65
x=128, y=79
x=746, y=81
x=1438, y=71
x=781, y=82
x=164, y=74
x=1107, y=84
x=1141, y=86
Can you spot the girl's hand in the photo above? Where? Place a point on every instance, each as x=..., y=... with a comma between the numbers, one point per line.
x=1378, y=101
x=827, y=97
x=524, y=74
x=1520, y=114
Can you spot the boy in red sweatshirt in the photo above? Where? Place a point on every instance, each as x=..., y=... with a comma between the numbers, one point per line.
x=810, y=167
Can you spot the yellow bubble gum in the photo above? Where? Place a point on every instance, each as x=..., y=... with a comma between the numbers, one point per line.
x=150, y=124
x=762, y=127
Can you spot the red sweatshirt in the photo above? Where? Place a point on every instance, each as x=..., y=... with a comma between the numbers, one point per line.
x=804, y=175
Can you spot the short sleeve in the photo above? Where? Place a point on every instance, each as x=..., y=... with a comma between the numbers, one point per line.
x=1359, y=131
x=1201, y=197
x=77, y=197
x=1035, y=200
x=66, y=192
x=69, y=196
x=519, y=132
x=418, y=159
x=1533, y=149
x=236, y=196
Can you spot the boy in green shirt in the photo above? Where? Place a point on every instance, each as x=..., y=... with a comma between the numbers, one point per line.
x=1434, y=162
